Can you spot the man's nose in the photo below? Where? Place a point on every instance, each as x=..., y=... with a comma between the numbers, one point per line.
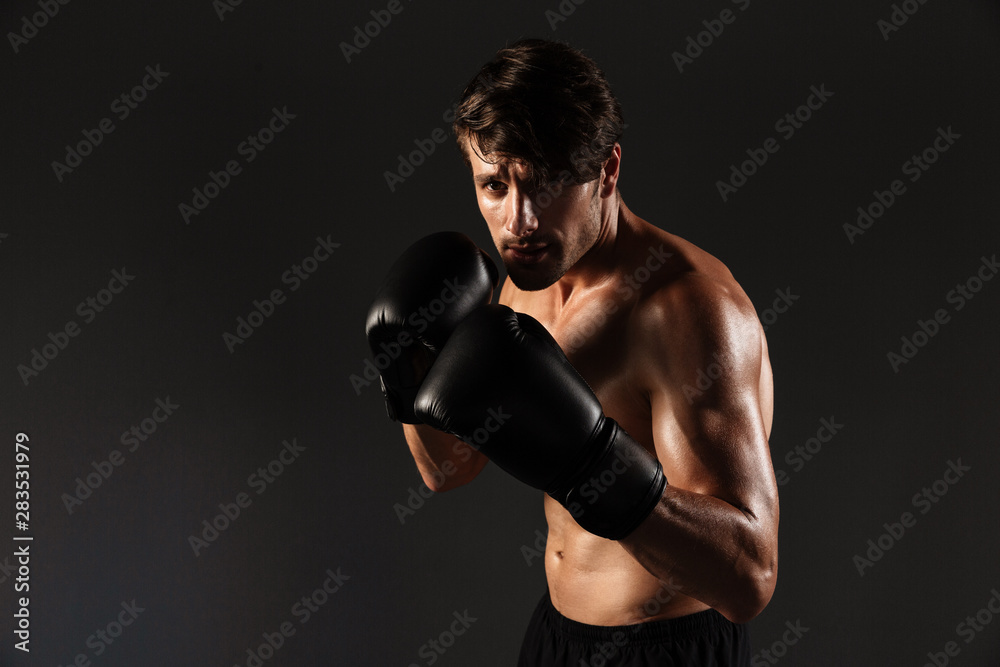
x=522, y=215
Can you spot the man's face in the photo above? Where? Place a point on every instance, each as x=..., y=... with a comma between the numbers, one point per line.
x=539, y=235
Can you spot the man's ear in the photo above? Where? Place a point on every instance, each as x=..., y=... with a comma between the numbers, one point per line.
x=610, y=172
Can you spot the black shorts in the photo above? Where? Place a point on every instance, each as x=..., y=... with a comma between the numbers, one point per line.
x=704, y=639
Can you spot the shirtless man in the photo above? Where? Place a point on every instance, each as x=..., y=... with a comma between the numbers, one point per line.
x=661, y=501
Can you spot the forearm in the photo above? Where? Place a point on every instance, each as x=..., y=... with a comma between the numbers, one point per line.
x=444, y=461
x=711, y=550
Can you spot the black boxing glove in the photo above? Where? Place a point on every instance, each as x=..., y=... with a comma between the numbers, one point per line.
x=433, y=285
x=503, y=385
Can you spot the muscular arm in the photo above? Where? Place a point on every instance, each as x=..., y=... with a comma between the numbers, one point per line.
x=714, y=532
x=444, y=461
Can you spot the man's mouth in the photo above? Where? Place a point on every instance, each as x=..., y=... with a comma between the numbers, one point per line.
x=527, y=253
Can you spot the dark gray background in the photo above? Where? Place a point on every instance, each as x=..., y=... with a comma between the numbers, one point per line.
x=324, y=175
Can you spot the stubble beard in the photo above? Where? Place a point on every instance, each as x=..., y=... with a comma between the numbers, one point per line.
x=562, y=257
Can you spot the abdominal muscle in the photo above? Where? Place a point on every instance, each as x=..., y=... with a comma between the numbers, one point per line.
x=595, y=581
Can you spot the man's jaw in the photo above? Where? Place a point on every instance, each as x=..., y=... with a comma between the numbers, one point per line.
x=533, y=266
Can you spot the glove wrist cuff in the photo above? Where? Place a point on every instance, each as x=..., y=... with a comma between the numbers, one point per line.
x=620, y=487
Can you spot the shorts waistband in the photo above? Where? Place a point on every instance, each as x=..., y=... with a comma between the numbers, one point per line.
x=668, y=630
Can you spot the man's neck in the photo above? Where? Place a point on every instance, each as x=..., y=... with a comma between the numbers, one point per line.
x=597, y=266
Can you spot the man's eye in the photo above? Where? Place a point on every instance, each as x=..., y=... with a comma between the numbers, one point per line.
x=494, y=186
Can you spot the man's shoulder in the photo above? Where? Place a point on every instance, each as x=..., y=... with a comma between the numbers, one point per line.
x=690, y=293
x=693, y=318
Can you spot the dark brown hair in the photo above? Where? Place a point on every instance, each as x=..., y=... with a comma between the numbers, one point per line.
x=544, y=104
